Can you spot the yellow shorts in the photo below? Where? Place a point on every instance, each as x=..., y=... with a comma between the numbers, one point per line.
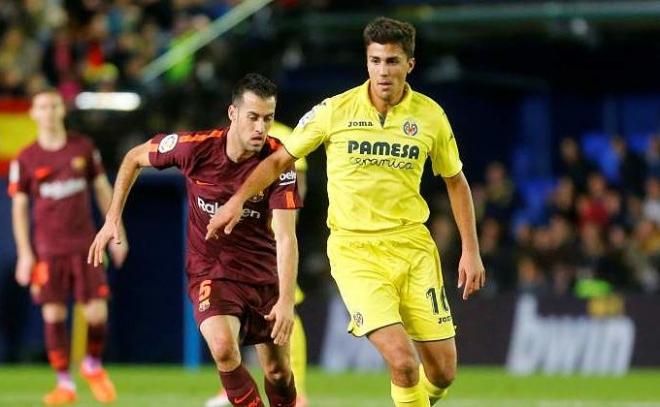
x=392, y=278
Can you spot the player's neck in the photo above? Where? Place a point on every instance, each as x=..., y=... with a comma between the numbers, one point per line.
x=384, y=105
x=51, y=138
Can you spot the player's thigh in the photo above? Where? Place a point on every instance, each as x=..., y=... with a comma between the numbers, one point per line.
x=424, y=307
x=439, y=360
x=89, y=282
x=364, y=281
x=51, y=280
x=274, y=359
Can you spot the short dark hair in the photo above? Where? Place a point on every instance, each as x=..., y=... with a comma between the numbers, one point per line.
x=385, y=30
x=255, y=83
x=44, y=90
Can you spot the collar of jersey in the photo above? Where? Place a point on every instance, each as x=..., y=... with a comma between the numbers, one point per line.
x=404, y=103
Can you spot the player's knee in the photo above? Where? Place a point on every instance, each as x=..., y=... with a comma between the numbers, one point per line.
x=225, y=352
x=54, y=312
x=277, y=372
x=442, y=377
x=96, y=312
x=404, y=367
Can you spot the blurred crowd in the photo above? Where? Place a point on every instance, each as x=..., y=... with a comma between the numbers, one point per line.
x=593, y=236
x=595, y=233
x=104, y=45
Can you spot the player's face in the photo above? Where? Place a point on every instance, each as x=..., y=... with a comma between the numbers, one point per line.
x=252, y=116
x=388, y=67
x=47, y=110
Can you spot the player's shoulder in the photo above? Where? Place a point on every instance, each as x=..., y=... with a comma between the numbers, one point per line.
x=198, y=136
x=79, y=139
x=28, y=151
x=422, y=101
x=347, y=99
x=194, y=140
x=79, y=143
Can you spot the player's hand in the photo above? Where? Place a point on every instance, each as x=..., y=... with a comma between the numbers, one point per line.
x=24, y=267
x=471, y=273
x=109, y=231
x=226, y=218
x=119, y=252
x=282, y=314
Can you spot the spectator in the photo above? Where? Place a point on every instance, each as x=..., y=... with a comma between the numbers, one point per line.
x=501, y=195
x=632, y=168
x=496, y=256
x=652, y=156
x=19, y=60
x=592, y=249
x=615, y=266
x=562, y=200
x=651, y=204
x=574, y=165
x=591, y=207
x=530, y=277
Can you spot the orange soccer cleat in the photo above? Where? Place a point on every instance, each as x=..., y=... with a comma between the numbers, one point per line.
x=59, y=396
x=100, y=384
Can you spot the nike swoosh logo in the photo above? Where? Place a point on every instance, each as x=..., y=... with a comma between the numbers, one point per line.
x=203, y=183
x=239, y=400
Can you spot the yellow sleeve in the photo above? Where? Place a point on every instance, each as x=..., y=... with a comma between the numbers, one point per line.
x=311, y=131
x=301, y=164
x=444, y=157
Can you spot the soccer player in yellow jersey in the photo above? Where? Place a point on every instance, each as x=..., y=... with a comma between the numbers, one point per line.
x=298, y=340
x=377, y=137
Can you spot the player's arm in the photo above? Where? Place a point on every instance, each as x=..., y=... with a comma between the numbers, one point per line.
x=133, y=162
x=20, y=214
x=261, y=177
x=103, y=194
x=284, y=227
x=471, y=273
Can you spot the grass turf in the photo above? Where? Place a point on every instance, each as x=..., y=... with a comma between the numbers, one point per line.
x=476, y=386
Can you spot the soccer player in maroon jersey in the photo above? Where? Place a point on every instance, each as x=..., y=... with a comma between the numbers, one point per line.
x=56, y=173
x=241, y=287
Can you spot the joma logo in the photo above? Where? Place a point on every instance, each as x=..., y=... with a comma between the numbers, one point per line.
x=360, y=123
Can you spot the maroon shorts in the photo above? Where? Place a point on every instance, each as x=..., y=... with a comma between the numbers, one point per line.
x=248, y=302
x=56, y=278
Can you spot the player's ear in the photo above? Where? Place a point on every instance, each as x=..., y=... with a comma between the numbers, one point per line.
x=232, y=112
x=411, y=64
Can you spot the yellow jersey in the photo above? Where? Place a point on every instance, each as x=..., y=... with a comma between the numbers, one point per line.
x=280, y=130
x=374, y=169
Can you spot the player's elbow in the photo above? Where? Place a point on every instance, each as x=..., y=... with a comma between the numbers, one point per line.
x=138, y=156
x=282, y=159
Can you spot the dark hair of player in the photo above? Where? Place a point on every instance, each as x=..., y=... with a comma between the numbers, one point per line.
x=255, y=83
x=385, y=30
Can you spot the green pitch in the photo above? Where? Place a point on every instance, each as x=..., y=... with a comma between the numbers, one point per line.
x=475, y=387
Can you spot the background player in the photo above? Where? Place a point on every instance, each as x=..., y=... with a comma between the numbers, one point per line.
x=377, y=137
x=55, y=173
x=233, y=282
x=298, y=339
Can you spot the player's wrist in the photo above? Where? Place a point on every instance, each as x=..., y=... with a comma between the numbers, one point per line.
x=287, y=298
x=113, y=218
x=25, y=254
x=471, y=248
